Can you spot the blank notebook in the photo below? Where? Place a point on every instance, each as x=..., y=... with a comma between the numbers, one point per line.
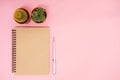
x=30, y=50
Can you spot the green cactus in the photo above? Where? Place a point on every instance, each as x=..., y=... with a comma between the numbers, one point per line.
x=21, y=15
x=39, y=15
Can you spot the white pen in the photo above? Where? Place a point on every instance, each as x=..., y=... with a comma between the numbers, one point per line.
x=54, y=56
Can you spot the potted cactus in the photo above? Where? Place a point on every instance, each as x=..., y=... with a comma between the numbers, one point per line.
x=39, y=15
x=21, y=15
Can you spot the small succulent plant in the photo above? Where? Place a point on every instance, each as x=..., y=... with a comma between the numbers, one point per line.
x=21, y=15
x=38, y=15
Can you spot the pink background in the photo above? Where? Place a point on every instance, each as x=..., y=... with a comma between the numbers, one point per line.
x=87, y=38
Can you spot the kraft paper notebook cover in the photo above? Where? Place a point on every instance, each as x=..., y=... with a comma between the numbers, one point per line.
x=30, y=50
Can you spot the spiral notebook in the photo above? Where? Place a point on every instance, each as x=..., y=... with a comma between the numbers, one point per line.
x=30, y=50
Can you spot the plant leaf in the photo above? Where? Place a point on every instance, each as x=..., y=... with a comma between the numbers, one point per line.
x=35, y=13
x=42, y=18
x=40, y=11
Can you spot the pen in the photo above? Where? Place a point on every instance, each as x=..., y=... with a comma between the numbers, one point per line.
x=54, y=56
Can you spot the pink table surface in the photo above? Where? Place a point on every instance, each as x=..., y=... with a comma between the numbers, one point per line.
x=87, y=38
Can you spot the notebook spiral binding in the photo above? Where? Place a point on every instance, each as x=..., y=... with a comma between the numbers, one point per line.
x=13, y=51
